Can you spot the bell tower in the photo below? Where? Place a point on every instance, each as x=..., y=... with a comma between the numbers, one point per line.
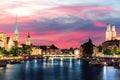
x=28, y=42
x=108, y=32
x=113, y=33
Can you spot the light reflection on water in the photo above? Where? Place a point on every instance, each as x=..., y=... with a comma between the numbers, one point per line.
x=58, y=69
x=104, y=73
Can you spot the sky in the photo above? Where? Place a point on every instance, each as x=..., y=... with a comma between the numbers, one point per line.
x=65, y=23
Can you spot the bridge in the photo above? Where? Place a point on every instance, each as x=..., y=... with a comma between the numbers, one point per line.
x=61, y=55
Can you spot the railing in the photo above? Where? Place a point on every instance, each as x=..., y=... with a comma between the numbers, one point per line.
x=58, y=55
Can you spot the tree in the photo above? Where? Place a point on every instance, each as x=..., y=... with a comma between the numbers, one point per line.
x=2, y=51
x=26, y=49
x=15, y=51
x=100, y=48
x=108, y=52
x=118, y=52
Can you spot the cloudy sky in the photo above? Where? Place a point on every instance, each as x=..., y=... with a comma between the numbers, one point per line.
x=65, y=23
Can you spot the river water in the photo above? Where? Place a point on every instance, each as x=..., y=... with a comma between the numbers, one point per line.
x=58, y=69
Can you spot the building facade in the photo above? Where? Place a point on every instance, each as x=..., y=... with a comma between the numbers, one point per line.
x=28, y=42
x=110, y=32
x=112, y=41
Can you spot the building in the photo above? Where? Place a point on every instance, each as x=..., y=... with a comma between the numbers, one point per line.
x=96, y=52
x=110, y=33
x=16, y=35
x=3, y=40
x=111, y=45
x=112, y=41
x=28, y=42
x=8, y=42
x=87, y=48
x=77, y=52
x=35, y=50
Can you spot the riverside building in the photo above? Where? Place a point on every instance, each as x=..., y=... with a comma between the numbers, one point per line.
x=112, y=41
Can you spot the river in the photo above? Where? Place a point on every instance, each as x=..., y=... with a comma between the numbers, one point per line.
x=58, y=69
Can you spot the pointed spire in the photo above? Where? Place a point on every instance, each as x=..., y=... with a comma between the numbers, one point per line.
x=113, y=27
x=108, y=27
x=89, y=40
x=28, y=35
x=16, y=26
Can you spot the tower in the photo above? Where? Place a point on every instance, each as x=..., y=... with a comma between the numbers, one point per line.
x=28, y=39
x=16, y=35
x=113, y=32
x=108, y=32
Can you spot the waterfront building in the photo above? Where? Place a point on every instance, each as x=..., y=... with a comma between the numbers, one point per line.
x=77, y=52
x=87, y=48
x=111, y=45
x=110, y=34
x=36, y=50
x=96, y=52
x=8, y=42
x=3, y=39
x=112, y=41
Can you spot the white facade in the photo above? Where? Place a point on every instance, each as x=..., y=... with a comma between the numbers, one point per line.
x=36, y=51
x=77, y=52
x=110, y=33
x=10, y=43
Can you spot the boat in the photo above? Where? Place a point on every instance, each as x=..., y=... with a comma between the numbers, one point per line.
x=98, y=63
x=14, y=61
x=117, y=65
x=3, y=63
x=95, y=63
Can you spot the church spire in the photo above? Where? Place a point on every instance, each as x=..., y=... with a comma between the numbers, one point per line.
x=16, y=36
x=28, y=35
x=16, y=26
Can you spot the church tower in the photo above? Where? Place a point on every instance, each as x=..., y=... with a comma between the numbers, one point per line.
x=113, y=33
x=28, y=40
x=108, y=32
x=16, y=35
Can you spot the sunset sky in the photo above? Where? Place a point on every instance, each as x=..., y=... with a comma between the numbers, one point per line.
x=65, y=23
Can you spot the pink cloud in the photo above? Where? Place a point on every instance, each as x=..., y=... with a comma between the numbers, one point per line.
x=37, y=11
x=27, y=10
x=62, y=40
x=99, y=24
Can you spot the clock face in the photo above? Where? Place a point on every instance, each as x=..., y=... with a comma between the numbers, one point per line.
x=28, y=39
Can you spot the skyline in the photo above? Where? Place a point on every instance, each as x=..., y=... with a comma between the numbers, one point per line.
x=65, y=23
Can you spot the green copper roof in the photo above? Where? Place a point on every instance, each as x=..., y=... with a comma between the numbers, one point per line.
x=16, y=26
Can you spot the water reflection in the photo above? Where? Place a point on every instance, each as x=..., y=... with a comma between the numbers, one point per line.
x=58, y=69
x=70, y=64
x=61, y=62
x=104, y=73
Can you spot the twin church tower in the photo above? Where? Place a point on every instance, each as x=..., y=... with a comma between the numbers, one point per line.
x=110, y=32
